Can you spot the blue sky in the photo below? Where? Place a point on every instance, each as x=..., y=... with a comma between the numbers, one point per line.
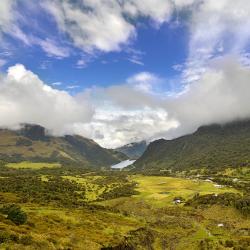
x=124, y=71
x=154, y=49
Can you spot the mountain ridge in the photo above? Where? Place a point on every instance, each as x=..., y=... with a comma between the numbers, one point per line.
x=33, y=143
x=211, y=146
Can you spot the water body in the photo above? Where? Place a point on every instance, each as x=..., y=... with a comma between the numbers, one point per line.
x=123, y=164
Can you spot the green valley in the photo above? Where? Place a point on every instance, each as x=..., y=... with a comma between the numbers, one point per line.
x=86, y=209
x=188, y=193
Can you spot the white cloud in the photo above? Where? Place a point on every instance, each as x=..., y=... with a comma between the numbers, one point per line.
x=103, y=25
x=25, y=98
x=11, y=20
x=74, y=86
x=121, y=114
x=92, y=24
x=6, y=16
x=217, y=28
x=136, y=61
x=8, y=21
x=135, y=56
x=215, y=90
x=144, y=82
x=97, y=113
x=125, y=113
x=56, y=83
x=220, y=96
x=81, y=64
x=52, y=49
x=158, y=10
x=114, y=126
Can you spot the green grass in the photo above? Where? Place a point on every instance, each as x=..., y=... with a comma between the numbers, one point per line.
x=32, y=165
x=155, y=190
x=161, y=191
x=152, y=209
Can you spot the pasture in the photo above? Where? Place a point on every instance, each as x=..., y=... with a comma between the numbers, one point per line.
x=160, y=191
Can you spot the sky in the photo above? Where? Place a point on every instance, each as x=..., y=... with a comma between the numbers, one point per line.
x=120, y=71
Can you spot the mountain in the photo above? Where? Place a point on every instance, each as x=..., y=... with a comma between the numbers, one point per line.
x=214, y=146
x=133, y=150
x=32, y=143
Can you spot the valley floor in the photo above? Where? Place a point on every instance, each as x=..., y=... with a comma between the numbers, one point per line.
x=115, y=210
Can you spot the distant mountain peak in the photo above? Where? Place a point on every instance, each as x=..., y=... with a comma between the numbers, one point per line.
x=133, y=150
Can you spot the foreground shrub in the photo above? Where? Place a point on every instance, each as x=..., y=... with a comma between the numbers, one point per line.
x=15, y=214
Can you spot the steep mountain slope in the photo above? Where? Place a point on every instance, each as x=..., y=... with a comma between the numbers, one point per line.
x=133, y=150
x=214, y=146
x=33, y=144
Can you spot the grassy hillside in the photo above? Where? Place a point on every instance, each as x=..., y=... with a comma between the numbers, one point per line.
x=33, y=144
x=213, y=147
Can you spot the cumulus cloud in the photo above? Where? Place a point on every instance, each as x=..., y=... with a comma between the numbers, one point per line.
x=127, y=113
x=92, y=24
x=25, y=98
x=220, y=96
x=106, y=25
x=215, y=76
x=102, y=114
x=114, y=126
x=215, y=26
x=124, y=113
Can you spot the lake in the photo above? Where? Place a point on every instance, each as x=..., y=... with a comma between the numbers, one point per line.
x=123, y=164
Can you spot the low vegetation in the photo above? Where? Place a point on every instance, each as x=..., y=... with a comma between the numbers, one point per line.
x=90, y=209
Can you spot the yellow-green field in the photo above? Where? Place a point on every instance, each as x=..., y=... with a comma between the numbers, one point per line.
x=161, y=191
x=155, y=190
x=148, y=215
x=32, y=165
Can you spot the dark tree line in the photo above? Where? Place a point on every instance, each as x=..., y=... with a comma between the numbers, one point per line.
x=55, y=190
